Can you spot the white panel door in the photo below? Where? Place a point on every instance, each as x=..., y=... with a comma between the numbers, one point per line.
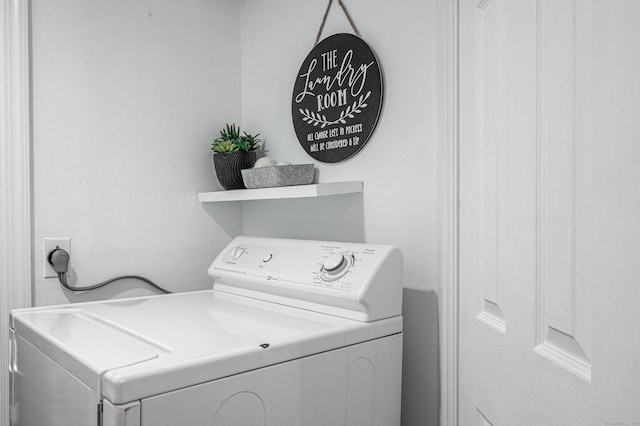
x=549, y=212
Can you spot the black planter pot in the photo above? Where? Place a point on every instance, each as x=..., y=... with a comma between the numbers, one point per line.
x=228, y=166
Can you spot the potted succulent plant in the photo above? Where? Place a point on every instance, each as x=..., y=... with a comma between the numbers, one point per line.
x=232, y=152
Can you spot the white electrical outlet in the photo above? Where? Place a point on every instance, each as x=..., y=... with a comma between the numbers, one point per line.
x=49, y=244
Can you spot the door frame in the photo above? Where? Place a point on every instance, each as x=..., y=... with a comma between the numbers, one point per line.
x=16, y=270
x=449, y=210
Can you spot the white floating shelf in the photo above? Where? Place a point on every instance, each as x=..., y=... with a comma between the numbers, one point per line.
x=298, y=191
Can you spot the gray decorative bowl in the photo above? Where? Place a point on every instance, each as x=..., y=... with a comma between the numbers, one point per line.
x=268, y=177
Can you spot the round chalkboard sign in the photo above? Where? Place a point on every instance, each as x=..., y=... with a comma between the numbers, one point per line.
x=337, y=98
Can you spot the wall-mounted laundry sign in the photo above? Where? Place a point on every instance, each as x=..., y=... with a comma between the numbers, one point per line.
x=337, y=98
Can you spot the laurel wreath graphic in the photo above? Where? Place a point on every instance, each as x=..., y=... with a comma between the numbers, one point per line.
x=316, y=119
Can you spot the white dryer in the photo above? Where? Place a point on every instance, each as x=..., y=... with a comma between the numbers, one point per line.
x=294, y=333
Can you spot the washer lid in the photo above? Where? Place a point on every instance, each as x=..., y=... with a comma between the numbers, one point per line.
x=144, y=346
x=81, y=343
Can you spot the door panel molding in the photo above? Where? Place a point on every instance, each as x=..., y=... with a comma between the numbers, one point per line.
x=492, y=316
x=490, y=126
x=564, y=351
x=564, y=246
x=481, y=419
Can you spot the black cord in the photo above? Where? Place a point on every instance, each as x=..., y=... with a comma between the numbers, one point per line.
x=62, y=276
x=59, y=260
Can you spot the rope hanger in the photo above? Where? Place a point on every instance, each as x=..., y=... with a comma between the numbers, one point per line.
x=324, y=20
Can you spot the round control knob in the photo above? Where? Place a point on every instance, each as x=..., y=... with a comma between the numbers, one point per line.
x=236, y=252
x=334, y=263
x=336, y=266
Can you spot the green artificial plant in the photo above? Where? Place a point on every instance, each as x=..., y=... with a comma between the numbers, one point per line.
x=230, y=140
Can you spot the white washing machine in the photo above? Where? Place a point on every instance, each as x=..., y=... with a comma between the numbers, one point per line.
x=294, y=333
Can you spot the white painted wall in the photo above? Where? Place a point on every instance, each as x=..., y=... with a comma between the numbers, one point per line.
x=126, y=98
x=398, y=165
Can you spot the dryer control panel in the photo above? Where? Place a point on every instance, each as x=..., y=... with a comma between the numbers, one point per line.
x=357, y=281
